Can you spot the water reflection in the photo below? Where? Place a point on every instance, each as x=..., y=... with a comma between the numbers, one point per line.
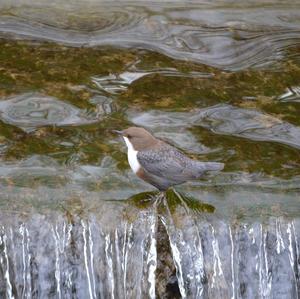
x=116, y=83
x=292, y=94
x=220, y=35
x=226, y=120
x=30, y=111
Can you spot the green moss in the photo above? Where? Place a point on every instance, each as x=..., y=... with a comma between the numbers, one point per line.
x=65, y=73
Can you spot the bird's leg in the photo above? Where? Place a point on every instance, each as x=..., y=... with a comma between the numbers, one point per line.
x=159, y=198
x=152, y=197
x=183, y=202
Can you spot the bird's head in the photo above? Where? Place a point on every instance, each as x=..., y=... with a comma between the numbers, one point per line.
x=137, y=138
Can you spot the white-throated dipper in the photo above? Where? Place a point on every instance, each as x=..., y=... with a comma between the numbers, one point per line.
x=159, y=163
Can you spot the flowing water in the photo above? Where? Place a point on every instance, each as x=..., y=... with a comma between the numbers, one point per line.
x=218, y=80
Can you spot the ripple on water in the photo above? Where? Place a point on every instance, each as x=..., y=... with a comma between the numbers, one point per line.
x=291, y=94
x=32, y=172
x=224, y=37
x=32, y=110
x=249, y=123
x=104, y=105
x=184, y=140
x=224, y=119
x=116, y=83
x=38, y=171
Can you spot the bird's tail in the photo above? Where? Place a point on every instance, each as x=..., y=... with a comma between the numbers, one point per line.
x=213, y=166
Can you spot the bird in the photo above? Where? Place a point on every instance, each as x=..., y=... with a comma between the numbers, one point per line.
x=159, y=163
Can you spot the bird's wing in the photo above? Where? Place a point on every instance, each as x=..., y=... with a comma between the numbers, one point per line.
x=167, y=162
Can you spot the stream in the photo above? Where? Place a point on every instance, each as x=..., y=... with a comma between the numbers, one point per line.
x=218, y=80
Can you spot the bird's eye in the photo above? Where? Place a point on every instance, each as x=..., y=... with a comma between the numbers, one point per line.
x=129, y=136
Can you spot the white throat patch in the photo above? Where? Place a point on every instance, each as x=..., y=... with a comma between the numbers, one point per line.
x=132, y=156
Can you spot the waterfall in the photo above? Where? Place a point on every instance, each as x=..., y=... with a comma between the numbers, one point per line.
x=64, y=255
x=218, y=259
x=55, y=257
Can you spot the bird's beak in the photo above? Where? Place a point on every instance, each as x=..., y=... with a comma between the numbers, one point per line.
x=118, y=132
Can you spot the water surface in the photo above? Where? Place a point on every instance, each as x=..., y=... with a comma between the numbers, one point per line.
x=219, y=81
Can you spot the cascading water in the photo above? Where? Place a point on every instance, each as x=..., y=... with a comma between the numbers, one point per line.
x=219, y=259
x=65, y=256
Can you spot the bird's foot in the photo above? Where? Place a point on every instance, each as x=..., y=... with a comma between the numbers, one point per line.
x=159, y=198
